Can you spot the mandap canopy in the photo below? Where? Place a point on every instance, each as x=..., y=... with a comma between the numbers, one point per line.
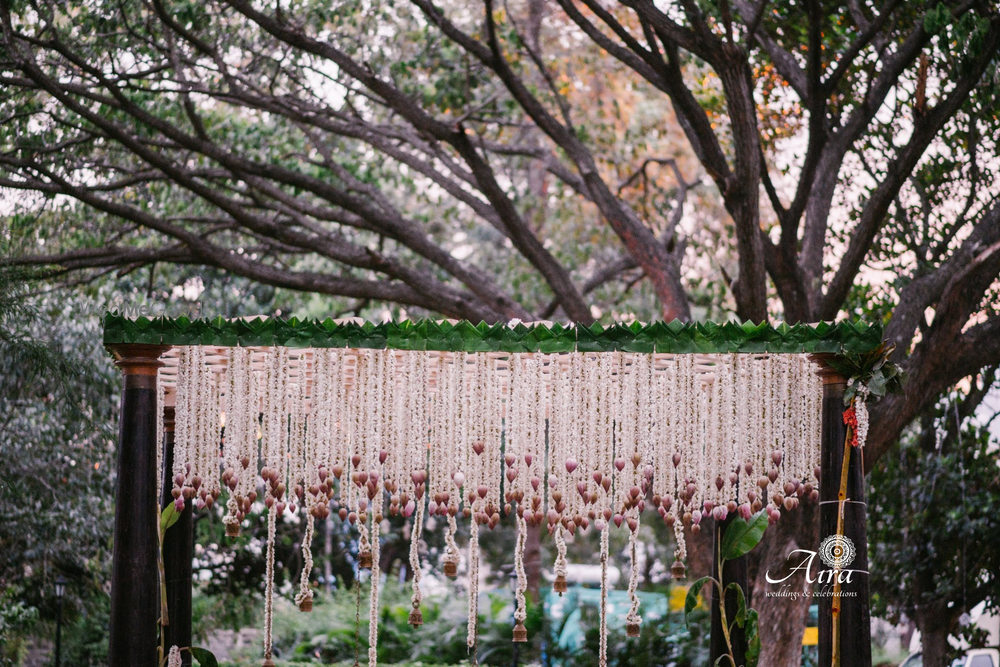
x=570, y=428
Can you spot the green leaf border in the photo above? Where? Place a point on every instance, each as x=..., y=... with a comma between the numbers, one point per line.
x=674, y=337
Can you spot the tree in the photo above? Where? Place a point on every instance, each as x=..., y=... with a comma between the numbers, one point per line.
x=455, y=159
x=941, y=511
x=57, y=407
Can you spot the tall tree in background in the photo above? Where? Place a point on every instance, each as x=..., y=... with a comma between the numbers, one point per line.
x=495, y=162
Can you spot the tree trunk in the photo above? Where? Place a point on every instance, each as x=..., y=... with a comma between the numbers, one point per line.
x=533, y=560
x=782, y=619
x=933, y=625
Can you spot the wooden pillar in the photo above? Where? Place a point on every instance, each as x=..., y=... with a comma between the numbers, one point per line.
x=733, y=571
x=178, y=552
x=855, y=646
x=134, y=603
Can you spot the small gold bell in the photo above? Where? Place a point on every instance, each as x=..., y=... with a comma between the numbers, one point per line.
x=559, y=586
x=520, y=632
x=416, y=618
x=632, y=629
x=306, y=604
x=678, y=571
x=450, y=569
x=365, y=560
x=232, y=530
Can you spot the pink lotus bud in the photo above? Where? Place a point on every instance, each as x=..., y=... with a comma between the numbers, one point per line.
x=478, y=447
x=745, y=512
x=179, y=504
x=382, y=455
x=458, y=478
x=528, y=458
x=648, y=471
x=677, y=460
x=618, y=518
x=598, y=476
x=535, y=483
x=342, y=513
x=178, y=479
x=708, y=505
x=632, y=524
x=409, y=508
x=571, y=465
x=432, y=507
x=776, y=458
x=581, y=488
x=353, y=518
x=510, y=460
x=619, y=464
x=511, y=474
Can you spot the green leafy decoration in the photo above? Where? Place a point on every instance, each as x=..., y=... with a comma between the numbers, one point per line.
x=872, y=368
x=753, y=639
x=742, y=536
x=691, y=601
x=168, y=517
x=741, y=604
x=204, y=657
x=673, y=338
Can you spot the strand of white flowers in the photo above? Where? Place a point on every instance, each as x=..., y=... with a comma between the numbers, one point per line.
x=861, y=412
x=235, y=396
x=451, y=546
x=174, y=657
x=602, y=659
x=375, y=579
x=633, y=579
x=181, y=418
x=159, y=437
x=415, y=533
x=560, y=567
x=305, y=593
x=473, y=607
x=269, y=585
x=521, y=609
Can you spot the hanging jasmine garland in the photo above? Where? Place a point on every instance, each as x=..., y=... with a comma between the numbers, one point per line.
x=571, y=441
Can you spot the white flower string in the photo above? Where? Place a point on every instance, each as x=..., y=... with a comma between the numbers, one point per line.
x=160, y=393
x=274, y=447
x=174, y=657
x=588, y=439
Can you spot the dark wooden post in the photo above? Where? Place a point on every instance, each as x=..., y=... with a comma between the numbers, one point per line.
x=855, y=646
x=733, y=571
x=134, y=603
x=178, y=552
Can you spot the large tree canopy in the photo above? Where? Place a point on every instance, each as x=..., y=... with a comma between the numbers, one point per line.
x=422, y=154
x=531, y=159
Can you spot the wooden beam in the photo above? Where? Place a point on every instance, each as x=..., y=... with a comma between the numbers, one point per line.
x=854, y=648
x=134, y=603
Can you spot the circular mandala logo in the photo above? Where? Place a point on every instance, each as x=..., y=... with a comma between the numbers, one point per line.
x=837, y=551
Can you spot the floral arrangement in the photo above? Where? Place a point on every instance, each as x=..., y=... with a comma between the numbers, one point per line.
x=569, y=441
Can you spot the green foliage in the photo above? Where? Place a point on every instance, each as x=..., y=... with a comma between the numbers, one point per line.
x=934, y=514
x=873, y=369
x=58, y=406
x=16, y=620
x=845, y=338
x=742, y=536
x=204, y=657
